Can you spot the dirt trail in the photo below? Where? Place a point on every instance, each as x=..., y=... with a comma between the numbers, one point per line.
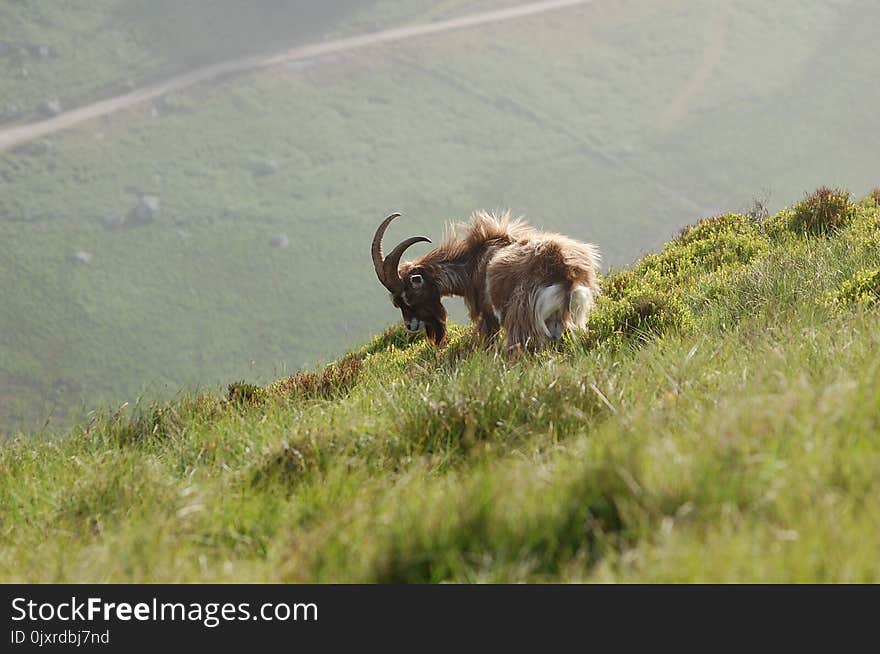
x=14, y=136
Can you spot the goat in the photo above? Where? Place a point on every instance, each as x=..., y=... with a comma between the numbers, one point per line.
x=535, y=284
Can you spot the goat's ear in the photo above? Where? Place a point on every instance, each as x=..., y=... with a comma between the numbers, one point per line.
x=416, y=280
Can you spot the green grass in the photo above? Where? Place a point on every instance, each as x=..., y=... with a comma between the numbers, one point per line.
x=739, y=444
x=574, y=119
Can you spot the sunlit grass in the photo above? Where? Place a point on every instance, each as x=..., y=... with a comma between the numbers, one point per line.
x=739, y=447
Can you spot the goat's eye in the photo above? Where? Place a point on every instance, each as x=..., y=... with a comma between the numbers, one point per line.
x=416, y=280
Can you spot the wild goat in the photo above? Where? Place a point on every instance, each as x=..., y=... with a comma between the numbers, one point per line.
x=534, y=284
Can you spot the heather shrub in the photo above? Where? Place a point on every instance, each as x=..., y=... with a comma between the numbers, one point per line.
x=820, y=212
x=639, y=311
x=712, y=243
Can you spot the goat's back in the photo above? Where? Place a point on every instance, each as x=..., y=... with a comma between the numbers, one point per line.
x=541, y=260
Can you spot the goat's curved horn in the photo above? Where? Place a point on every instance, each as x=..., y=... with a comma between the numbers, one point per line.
x=393, y=260
x=386, y=268
x=377, y=247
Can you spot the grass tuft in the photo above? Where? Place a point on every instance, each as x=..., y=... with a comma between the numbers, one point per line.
x=335, y=380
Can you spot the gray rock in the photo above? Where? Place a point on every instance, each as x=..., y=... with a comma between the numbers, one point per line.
x=113, y=221
x=263, y=168
x=52, y=107
x=42, y=51
x=146, y=211
x=183, y=234
x=279, y=241
x=82, y=257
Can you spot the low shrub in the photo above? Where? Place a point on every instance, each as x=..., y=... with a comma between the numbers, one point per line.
x=820, y=212
x=710, y=244
x=640, y=312
x=334, y=380
x=861, y=289
x=244, y=394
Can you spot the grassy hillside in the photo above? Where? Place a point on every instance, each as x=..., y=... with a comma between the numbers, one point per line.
x=615, y=122
x=718, y=423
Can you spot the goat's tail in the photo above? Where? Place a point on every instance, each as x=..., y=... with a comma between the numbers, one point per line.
x=580, y=301
x=558, y=308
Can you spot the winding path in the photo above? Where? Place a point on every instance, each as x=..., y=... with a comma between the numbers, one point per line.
x=14, y=136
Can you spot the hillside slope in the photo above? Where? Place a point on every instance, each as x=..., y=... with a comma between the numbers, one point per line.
x=83, y=50
x=719, y=422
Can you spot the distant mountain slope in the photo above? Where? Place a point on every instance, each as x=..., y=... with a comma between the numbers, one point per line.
x=83, y=50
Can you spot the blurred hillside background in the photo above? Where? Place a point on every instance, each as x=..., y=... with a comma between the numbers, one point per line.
x=221, y=232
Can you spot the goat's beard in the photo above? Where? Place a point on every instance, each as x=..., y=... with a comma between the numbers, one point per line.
x=435, y=331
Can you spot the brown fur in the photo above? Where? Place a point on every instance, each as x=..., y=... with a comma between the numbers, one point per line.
x=495, y=264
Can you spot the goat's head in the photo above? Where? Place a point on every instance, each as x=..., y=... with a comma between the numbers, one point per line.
x=413, y=289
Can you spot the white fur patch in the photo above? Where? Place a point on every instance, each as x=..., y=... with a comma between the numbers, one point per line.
x=579, y=306
x=552, y=317
x=549, y=310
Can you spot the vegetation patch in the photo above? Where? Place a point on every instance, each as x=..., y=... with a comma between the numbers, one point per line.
x=472, y=529
x=712, y=243
x=862, y=289
x=478, y=408
x=335, y=380
x=820, y=212
x=244, y=394
x=288, y=463
x=98, y=501
x=154, y=422
x=394, y=337
x=638, y=312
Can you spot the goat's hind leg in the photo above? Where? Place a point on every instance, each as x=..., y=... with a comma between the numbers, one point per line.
x=488, y=327
x=517, y=321
x=580, y=303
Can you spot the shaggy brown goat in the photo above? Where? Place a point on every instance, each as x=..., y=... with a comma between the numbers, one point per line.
x=534, y=284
